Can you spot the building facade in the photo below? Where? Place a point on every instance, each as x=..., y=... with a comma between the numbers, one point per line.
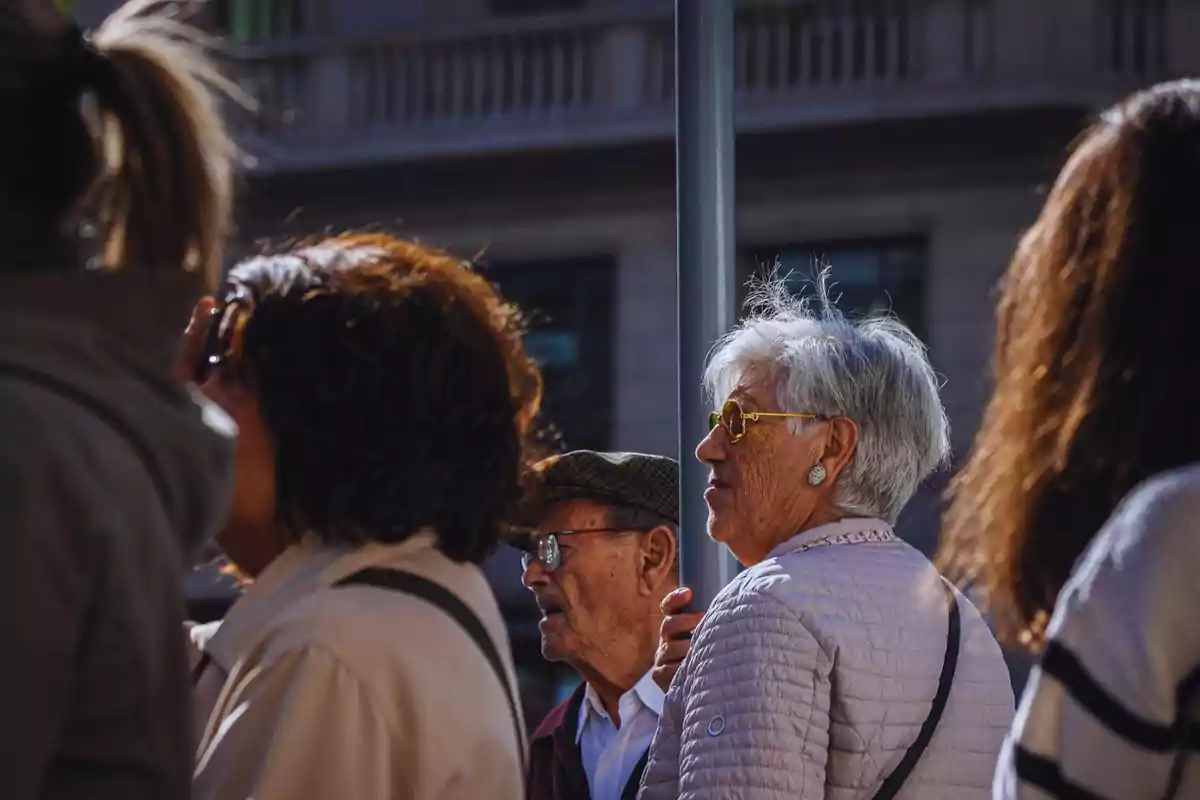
x=906, y=143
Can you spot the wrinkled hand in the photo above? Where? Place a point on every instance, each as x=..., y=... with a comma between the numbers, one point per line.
x=193, y=341
x=675, y=636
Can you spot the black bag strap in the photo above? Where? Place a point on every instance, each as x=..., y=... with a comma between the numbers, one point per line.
x=201, y=666
x=119, y=426
x=1186, y=740
x=635, y=778
x=892, y=784
x=437, y=595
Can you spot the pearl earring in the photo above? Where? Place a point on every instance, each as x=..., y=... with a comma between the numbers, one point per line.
x=817, y=475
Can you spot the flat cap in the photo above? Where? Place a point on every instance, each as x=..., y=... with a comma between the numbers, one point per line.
x=633, y=480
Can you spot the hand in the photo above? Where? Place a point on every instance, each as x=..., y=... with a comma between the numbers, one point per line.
x=675, y=636
x=194, y=338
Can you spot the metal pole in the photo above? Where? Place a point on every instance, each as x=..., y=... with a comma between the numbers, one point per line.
x=704, y=138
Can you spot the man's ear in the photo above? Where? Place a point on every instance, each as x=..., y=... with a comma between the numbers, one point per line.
x=659, y=550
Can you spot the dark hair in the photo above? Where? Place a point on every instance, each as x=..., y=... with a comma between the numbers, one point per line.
x=120, y=126
x=1091, y=394
x=395, y=386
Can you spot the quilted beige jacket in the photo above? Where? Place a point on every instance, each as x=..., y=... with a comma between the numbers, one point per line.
x=813, y=671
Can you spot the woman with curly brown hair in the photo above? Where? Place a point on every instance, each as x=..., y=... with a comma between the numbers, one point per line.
x=1093, y=418
x=385, y=405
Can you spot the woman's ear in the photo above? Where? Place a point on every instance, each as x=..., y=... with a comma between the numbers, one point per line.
x=840, y=445
x=658, y=555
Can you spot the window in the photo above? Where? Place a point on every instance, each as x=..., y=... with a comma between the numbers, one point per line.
x=499, y=7
x=867, y=276
x=570, y=308
x=256, y=20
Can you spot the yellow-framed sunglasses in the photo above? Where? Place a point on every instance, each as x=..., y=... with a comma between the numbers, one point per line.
x=733, y=418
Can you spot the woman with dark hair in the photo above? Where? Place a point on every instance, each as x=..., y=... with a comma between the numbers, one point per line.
x=110, y=471
x=385, y=404
x=1093, y=419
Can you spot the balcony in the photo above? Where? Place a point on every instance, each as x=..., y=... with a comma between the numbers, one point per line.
x=593, y=79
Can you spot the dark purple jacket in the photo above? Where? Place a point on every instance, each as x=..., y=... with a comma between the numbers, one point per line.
x=555, y=762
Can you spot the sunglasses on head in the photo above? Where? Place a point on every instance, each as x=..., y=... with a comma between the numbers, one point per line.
x=544, y=546
x=226, y=323
x=733, y=418
x=214, y=353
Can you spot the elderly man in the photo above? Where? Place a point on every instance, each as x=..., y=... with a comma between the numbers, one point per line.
x=600, y=558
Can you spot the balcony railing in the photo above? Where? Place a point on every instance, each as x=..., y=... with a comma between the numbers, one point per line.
x=585, y=79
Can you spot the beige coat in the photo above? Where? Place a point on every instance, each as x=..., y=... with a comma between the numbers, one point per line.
x=353, y=692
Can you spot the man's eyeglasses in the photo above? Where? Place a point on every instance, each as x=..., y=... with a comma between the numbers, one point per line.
x=544, y=546
x=734, y=418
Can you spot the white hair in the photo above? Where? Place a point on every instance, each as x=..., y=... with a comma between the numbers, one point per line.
x=874, y=371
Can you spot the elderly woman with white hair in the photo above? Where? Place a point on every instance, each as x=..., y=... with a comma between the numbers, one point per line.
x=839, y=664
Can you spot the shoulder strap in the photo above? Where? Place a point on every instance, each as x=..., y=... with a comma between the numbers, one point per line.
x=198, y=670
x=72, y=393
x=892, y=784
x=1186, y=733
x=437, y=595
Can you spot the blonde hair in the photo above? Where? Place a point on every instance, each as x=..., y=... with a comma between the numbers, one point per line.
x=130, y=117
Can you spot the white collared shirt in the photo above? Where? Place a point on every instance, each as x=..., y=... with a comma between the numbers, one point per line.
x=611, y=754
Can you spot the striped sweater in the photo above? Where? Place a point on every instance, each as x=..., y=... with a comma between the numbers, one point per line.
x=1112, y=710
